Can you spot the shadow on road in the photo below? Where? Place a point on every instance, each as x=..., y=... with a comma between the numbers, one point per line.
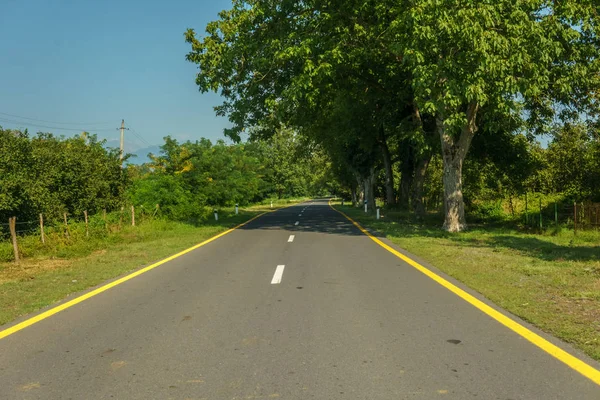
x=318, y=218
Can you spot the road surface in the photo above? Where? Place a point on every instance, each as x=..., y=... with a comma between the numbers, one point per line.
x=297, y=304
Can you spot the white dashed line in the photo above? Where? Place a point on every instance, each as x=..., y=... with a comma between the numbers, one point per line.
x=278, y=275
x=291, y=239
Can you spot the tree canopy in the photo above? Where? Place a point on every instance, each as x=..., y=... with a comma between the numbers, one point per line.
x=436, y=67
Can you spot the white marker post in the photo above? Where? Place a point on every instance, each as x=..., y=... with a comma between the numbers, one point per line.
x=365, y=206
x=216, y=216
x=377, y=212
x=271, y=204
x=236, y=209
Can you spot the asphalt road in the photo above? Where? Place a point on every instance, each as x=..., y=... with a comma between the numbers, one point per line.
x=348, y=320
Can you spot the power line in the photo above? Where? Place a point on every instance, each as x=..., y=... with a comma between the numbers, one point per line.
x=30, y=124
x=141, y=138
x=137, y=142
x=54, y=122
x=49, y=127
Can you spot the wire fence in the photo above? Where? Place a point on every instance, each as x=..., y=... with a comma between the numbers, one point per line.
x=23, y=227
x=532, y=211
x=57, y=232
x=572, y=215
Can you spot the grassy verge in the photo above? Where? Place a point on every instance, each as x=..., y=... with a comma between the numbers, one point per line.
x=52, y=271
x=551, y=280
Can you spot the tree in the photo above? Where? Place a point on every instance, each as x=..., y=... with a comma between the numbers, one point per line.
x=572, y=162
x=442, y=59
x=15, y=157
x=285, y=65
x=505, y=55
x=51, y=175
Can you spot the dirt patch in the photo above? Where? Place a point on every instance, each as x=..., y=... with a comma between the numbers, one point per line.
x=29, y=269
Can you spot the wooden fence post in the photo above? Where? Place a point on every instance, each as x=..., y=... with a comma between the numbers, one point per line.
x=132, y=216
x=12, y=225
x=87, y=231
x=42, y=229
x=66, y=226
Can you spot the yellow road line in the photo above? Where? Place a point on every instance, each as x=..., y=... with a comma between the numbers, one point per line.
x=575, y=363
x=77, y=300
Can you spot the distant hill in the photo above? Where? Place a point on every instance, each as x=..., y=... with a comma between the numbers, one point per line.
x=142, y=155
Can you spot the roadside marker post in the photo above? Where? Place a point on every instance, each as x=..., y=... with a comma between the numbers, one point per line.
x=377, y=212
x=236, y=209
x=216, y=215
x=366, y=210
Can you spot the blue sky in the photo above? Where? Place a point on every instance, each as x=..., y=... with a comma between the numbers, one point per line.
x=77, y=62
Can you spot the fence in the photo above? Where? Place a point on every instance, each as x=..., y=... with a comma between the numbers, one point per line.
x=531, y=210
x=573, y=215
x=14, y=229
x=587, y=215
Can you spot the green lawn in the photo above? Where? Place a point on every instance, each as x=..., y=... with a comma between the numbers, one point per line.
x=550, y=280
x=50, y=272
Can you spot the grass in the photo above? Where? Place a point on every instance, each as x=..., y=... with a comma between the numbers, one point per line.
x=50, y=272
x=550, y=279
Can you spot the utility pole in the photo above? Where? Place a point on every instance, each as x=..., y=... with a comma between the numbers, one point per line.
x=122, y=140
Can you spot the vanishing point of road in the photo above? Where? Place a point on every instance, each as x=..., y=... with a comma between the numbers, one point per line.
x=297, y=304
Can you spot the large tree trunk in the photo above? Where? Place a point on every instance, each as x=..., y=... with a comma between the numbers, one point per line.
x=421, y=166
x=454, y=206
x=390, y=198
x=453, y=156
x=419, y=182
x=369, y=185
x=360, y=189
x=406, y=176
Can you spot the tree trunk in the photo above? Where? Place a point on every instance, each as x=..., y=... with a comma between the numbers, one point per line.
x=354, y=196
x=406, y=177
x=361, y=192
x=454, y=206
x=390, y=198
x=419, y=182
x=453, y=155
x=421, y=164
x=369, y=183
